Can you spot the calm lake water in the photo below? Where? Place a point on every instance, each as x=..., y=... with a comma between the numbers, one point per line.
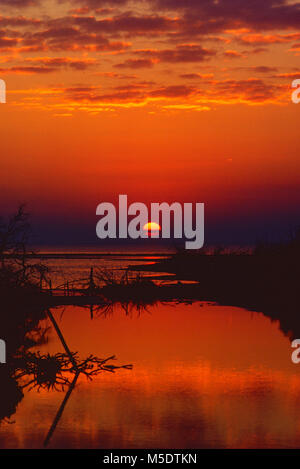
x=203, y=376
x=69, y=269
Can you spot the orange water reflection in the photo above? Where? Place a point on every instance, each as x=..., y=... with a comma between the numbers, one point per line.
x=203, y=376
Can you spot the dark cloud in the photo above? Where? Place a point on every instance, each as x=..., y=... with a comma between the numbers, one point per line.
x=99, y=3
x=18, y=21
x=174, y=91
x=194, y=18
x=190, y=76
x=84, y=32
x=266, y=14
x=256, y=69
x=251, y=91
x=7, y=43
x=30, y=70
x=19, y=3
x=134, y=92
x=204, y=77
x=135, y=86
x=136, y=63
x=187, y=53
x=127, y=23
x=233, y=54
x=76, y=64
x=264, y=69
x=94, y=95
x=181, y=53
x=43, y=65
x=63, y=37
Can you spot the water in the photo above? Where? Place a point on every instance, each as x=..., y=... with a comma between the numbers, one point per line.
x=204, y=376
x=69, y=269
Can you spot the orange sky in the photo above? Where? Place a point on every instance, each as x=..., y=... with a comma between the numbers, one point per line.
x=161, y=99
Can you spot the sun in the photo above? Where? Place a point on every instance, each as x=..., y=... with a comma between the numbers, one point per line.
x=152, y=228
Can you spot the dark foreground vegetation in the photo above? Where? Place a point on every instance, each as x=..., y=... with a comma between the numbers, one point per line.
x=20, y=280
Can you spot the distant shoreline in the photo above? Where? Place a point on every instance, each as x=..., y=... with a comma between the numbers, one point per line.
x=92, y=255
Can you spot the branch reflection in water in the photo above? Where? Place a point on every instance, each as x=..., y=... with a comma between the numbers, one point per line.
x=54, y=372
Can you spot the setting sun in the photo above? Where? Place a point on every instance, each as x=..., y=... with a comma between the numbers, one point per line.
x=151, y=226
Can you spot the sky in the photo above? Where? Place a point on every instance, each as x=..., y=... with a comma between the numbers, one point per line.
x=163, y=100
